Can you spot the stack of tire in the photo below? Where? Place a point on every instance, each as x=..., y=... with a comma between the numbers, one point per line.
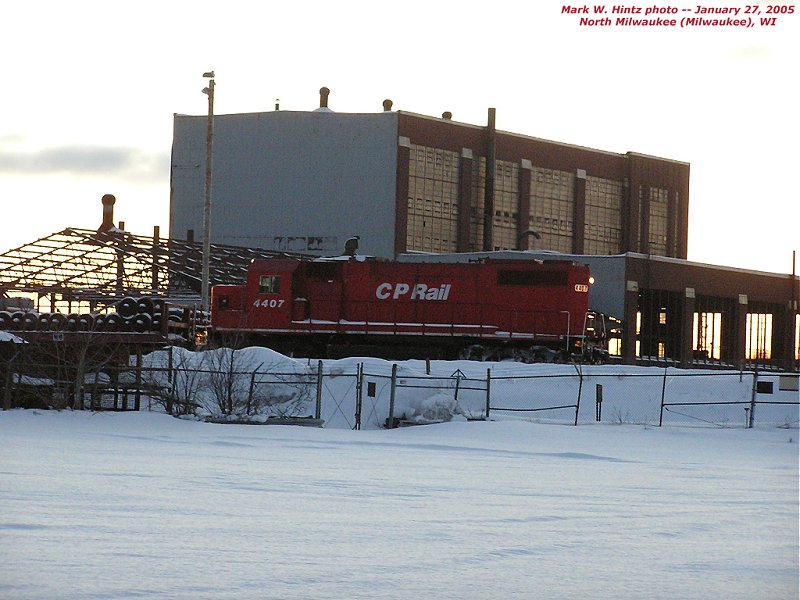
x=138, y=315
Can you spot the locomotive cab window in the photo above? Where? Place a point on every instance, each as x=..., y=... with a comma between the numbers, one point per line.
x=269, y=284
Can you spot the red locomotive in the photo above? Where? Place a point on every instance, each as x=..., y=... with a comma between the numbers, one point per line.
x=351, y=306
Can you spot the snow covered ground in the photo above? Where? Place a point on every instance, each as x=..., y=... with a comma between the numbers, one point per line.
x=143, y=505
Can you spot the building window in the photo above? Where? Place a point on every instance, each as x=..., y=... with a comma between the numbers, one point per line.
x=758, y=337
x=659, y=202
x=797, y=337
x=432, y=200
x=506, y=206
x=707, y=335
x=603, y=233
x=551, y=212
x=269, y=284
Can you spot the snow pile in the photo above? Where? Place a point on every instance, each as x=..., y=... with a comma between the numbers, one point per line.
x=257, y=384
x=249, y=383
x=6, y=336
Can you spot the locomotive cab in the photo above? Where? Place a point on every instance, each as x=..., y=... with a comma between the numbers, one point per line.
x=269, y=293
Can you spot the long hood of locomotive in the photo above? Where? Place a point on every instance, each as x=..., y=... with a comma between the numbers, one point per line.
x=513, y=300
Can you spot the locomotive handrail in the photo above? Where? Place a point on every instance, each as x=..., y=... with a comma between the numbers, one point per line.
x=395, y=325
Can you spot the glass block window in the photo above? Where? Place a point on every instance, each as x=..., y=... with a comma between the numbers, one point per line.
x=551, y=212
x=506, y=205
x=658, y=221
x=432, y=200
x=603, y=233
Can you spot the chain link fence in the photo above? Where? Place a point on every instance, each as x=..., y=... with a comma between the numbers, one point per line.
x=371, y=394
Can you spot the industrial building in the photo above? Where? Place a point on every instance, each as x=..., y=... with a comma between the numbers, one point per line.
x=308, y=181
x=411, y=186
x=676, y=312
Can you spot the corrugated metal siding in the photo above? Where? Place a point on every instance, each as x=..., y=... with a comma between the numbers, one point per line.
x=282, y=180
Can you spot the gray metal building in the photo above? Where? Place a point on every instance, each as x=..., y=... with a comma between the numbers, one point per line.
x=299, y=181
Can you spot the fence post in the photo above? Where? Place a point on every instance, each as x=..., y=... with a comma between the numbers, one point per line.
x=250, y=391
x=170, y=365
x=580, y=389
x=663, y=397
x=359, y=391
x=390, y=421
x=318, y=410
x=488, y=391
x=93, y=402
x=7, y=385
x=753, y=399
x=137, y=398
x=598, y=400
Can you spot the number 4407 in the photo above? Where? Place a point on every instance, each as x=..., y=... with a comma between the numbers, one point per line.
x=273, y=303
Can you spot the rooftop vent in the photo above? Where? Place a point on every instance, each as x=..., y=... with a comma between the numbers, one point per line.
x=323, y=100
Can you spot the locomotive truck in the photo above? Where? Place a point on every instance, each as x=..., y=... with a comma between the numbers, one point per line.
x=346, y=306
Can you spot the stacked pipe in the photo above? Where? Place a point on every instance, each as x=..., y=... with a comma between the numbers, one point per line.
x=139, y=315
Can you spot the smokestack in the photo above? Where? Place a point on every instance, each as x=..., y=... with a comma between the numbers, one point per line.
x=108, y=213
x=447, y=115
x=323, y=97
x=387, y=105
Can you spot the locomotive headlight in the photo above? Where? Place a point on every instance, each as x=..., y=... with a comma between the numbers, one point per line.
x=591, y=280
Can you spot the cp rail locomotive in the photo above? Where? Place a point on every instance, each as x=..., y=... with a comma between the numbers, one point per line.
x=348, y=306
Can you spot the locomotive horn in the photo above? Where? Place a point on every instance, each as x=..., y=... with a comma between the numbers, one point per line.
x=351, y=246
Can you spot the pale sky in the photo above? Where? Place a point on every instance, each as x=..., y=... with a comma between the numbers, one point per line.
x=89, y=89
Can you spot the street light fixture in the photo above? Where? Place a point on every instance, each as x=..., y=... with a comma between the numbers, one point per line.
x=206, y=275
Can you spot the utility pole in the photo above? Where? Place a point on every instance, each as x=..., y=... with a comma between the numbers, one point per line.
x=205, y=303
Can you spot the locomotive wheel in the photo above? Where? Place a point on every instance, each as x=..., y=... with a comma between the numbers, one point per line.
x=5, y=320
x=473, y=352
